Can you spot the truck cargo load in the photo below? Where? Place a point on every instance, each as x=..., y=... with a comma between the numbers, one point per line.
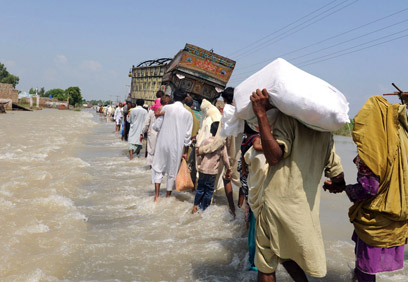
x=201, y=73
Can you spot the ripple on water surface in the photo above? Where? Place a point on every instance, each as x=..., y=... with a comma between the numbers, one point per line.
x=74, y=208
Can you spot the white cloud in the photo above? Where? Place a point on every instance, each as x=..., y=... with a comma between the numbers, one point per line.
x=91, y=65
x=61, y=59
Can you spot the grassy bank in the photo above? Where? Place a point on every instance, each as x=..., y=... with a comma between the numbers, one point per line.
x=346, y=130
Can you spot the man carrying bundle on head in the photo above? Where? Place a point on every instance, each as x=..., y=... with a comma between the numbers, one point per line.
x=286, y=206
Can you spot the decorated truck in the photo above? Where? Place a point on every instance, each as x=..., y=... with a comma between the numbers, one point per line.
x=201, y=73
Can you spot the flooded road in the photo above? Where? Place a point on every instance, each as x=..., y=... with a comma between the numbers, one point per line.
x=74, y=208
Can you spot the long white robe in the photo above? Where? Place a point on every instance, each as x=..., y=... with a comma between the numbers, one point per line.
x=136, y=119
x=175, y=133
x=118, y=115
x=151, y=135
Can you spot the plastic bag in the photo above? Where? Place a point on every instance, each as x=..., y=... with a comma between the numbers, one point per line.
x=296, y=93
x=183, y=178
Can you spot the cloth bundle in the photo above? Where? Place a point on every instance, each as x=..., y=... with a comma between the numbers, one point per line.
x=210, y=114
x=296, y=93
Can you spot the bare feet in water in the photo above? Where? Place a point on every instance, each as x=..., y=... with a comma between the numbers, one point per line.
x=194, y=209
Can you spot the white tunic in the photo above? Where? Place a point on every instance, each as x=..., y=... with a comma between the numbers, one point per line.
x=118, y=115
x=175, y=133
x=136, y=119
x=151, y=135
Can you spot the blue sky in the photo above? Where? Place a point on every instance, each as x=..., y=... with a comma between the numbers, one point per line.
x=93, y=44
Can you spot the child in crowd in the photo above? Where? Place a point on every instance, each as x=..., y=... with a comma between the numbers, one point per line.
x=251, y=138
x=208, y=169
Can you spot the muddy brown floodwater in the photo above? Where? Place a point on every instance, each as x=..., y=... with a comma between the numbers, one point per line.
x=74, y=208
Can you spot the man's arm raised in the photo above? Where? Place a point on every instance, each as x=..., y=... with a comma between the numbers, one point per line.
x=260, y=104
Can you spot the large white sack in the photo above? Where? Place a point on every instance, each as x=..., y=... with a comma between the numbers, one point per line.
x=296, y=93
x=231, y=125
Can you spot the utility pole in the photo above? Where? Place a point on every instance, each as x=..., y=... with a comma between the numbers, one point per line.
x=402, y=95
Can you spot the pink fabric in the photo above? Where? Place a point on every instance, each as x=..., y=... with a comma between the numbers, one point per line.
x=156, y=105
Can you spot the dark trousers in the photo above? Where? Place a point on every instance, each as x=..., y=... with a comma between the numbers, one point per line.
x=192, y=164
x=251, y=241
x=127, y=127
x=205, y=190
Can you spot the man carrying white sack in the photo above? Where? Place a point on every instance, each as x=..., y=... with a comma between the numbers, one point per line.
x=287, y=220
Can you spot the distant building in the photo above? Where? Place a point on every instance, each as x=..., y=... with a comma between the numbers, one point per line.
x=8, y=94
x=147, y=78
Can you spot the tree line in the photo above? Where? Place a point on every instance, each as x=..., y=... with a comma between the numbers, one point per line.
x=346, y=130
x=99, y=102
x=73, y=92
x=6, y=77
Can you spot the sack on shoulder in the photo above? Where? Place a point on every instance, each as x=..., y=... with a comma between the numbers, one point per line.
x=183, y=178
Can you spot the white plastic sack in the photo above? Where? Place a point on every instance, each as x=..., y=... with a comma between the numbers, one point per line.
x=231, y=125
x=296, y=93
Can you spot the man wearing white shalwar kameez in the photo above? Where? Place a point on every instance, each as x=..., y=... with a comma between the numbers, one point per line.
x=151, y=135
x=136, y=119
x=172, y=143
x=118, y=117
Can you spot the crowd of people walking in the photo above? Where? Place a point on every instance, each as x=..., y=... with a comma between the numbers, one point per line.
x=278, y=170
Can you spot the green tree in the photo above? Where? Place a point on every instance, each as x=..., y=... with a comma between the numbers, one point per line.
x=57, y=93
x=41, y=92
x=346, y=130
x=95, y=102
x=6, y=77
x=74, y=94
